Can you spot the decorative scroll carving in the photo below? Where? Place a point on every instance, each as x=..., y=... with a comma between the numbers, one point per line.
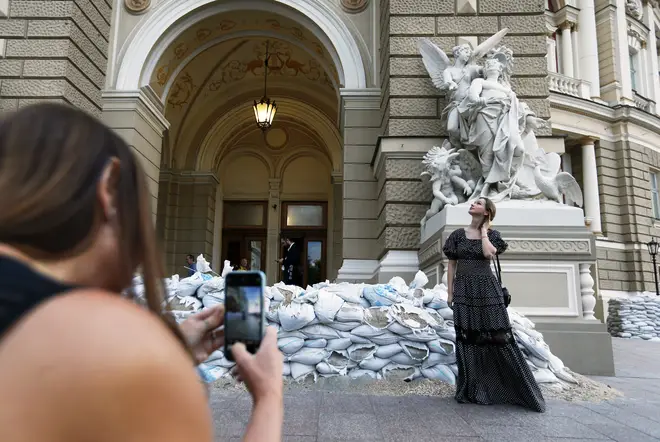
x=137, y=6
x=354, y=6
x=570, y=246
x=635, y=8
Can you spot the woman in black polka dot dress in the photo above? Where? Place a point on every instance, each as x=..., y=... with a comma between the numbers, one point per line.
x=491, y=367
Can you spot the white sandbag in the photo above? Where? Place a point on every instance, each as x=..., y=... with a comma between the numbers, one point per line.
x=378, y=317
x=454, y=369
x=339, y=344
x=203, y=265
x=171, y=285
x=211, y=374
x=344, y=326
x=449, y=334
x=364, y=303
x=320, y=331
x=327, y=306
x=437, y=303
x=442, y=346
x=374, y=364
x=291, y=345
x=359, y=339
x=300, y=371
x=555, y=363
x=316, y=343
x=184, y=303
x=226, y=269
x=540, y=363
x=412, y=317
x=415, y=350
x=215, y=284
x=399, y=329
x=339, y=359
x=420, y=281
x=565, y=376
x=387, y=351
x=367, y=331
x=356, y=374
x=438, y=358
x=276, y=294
x=439, y=373
x=218, y=354
x=398, y=284
x=439, y=320
x=348, y=292
x=427, y=335
x=188, y=286
x=544, y=376
x=381, y=295
x=350, y=313
x=360, y=352
x=308, y=356
x=211, y=299
x=396, y=372
x=538, y=349
x=272, y=313
x=286, y=369
x=386, y=338
x=295, y=316
x=446, y=313
x=404, y=359
x=291, y=334
x=326, y=369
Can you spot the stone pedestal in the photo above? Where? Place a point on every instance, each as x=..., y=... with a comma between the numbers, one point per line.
x=547, y=270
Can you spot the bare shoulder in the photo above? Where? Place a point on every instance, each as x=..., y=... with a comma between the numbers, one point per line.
x=121, y=368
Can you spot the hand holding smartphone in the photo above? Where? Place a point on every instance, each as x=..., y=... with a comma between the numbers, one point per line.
x=244, y=310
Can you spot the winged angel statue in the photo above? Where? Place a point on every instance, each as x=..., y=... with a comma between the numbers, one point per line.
x=491, y=150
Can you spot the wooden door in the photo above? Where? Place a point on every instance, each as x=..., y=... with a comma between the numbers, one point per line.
x=249, y=245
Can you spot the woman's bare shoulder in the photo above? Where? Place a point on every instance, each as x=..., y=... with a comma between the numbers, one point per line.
x=122, y=369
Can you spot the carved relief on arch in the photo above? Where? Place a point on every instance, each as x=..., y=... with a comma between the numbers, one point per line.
x=137, y=6
x=354, y=6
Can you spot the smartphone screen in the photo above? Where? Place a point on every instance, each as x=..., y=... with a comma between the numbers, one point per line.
x=244, y=310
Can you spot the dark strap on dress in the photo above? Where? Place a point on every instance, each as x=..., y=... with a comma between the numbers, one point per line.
x=498, y=268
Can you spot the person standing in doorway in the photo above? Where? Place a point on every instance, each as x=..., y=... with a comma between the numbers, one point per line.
x=191, y=265
x=290, y=262
x=243, y=266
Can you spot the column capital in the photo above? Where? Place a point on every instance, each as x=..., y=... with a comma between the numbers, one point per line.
x=337, y=178
x=274, y=183
x=588, y=141
x=567, y=24
x=144, y=101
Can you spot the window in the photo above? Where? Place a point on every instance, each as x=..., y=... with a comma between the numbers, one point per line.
x=655, y=198
x=304, y=216
x=633, y=69
x=240, y=214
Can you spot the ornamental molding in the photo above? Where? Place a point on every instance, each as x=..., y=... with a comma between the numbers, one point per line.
x=137, y=6
x=635, y=8
x=354, y=6
x=431, y=252
x=564, y=246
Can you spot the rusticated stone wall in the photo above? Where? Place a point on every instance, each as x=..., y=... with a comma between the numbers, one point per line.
x=54, y=50
x=413, y=104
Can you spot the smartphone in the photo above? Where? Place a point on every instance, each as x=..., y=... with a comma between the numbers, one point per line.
x=244, y=310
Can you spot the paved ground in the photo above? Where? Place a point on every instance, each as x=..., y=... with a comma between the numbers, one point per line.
x=326, y=416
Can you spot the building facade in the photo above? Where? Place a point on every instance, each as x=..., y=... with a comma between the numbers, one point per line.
x=339, y=171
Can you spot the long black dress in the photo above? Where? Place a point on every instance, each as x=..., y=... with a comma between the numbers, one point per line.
x=491, y=367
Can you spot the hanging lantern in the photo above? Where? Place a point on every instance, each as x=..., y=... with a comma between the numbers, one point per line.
x=264, y=110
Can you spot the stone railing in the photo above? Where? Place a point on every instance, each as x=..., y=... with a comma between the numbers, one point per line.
x=642, y=103
x=568, y=85
x=637, y=317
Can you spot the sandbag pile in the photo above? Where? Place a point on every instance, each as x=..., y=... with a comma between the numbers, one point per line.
x=392, y=331
x=637, y=317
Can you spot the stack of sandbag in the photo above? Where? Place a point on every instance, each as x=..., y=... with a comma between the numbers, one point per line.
x=388, y=331
x=637, y=317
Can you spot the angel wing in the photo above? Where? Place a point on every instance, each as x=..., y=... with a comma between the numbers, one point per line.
x=490, y=43
x=435, y=60
x=568, y=186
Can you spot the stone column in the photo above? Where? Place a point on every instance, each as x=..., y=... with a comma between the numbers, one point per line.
x=138, y=117
x=589, y=68
x=623, y=53
x=644, y=87
x=551, y=44
x=337, y=216
x=361, y=123
x=587, y=292
x=567, y=49
x=653, y=78
x=274, y=211
x=590, y=185
x=575, y=46
x=216, y=260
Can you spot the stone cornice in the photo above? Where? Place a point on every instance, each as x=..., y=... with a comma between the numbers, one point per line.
x=143, y=101
x=566, y=16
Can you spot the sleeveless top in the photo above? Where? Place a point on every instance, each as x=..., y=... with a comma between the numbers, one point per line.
x=21, y=290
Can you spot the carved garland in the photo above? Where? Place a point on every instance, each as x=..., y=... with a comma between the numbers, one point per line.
x=354, y=6
x=137, y=6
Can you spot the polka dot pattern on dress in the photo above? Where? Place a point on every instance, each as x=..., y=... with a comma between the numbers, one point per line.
x=491, y=366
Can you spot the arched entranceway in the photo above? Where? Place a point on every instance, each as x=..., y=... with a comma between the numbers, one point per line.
x=223, y=187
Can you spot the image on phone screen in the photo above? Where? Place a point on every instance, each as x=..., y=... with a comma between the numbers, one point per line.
x=243, y=315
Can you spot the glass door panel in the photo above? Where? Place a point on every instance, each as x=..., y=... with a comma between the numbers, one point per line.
x=314, y=262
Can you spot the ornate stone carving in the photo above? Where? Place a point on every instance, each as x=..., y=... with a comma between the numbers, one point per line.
x=137, y=6
x=635, y=8
x=354, y=6
x=430, y=252
x=564, y=246
x=491, y=150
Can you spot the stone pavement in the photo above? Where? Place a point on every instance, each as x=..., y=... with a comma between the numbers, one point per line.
x=330, y=416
